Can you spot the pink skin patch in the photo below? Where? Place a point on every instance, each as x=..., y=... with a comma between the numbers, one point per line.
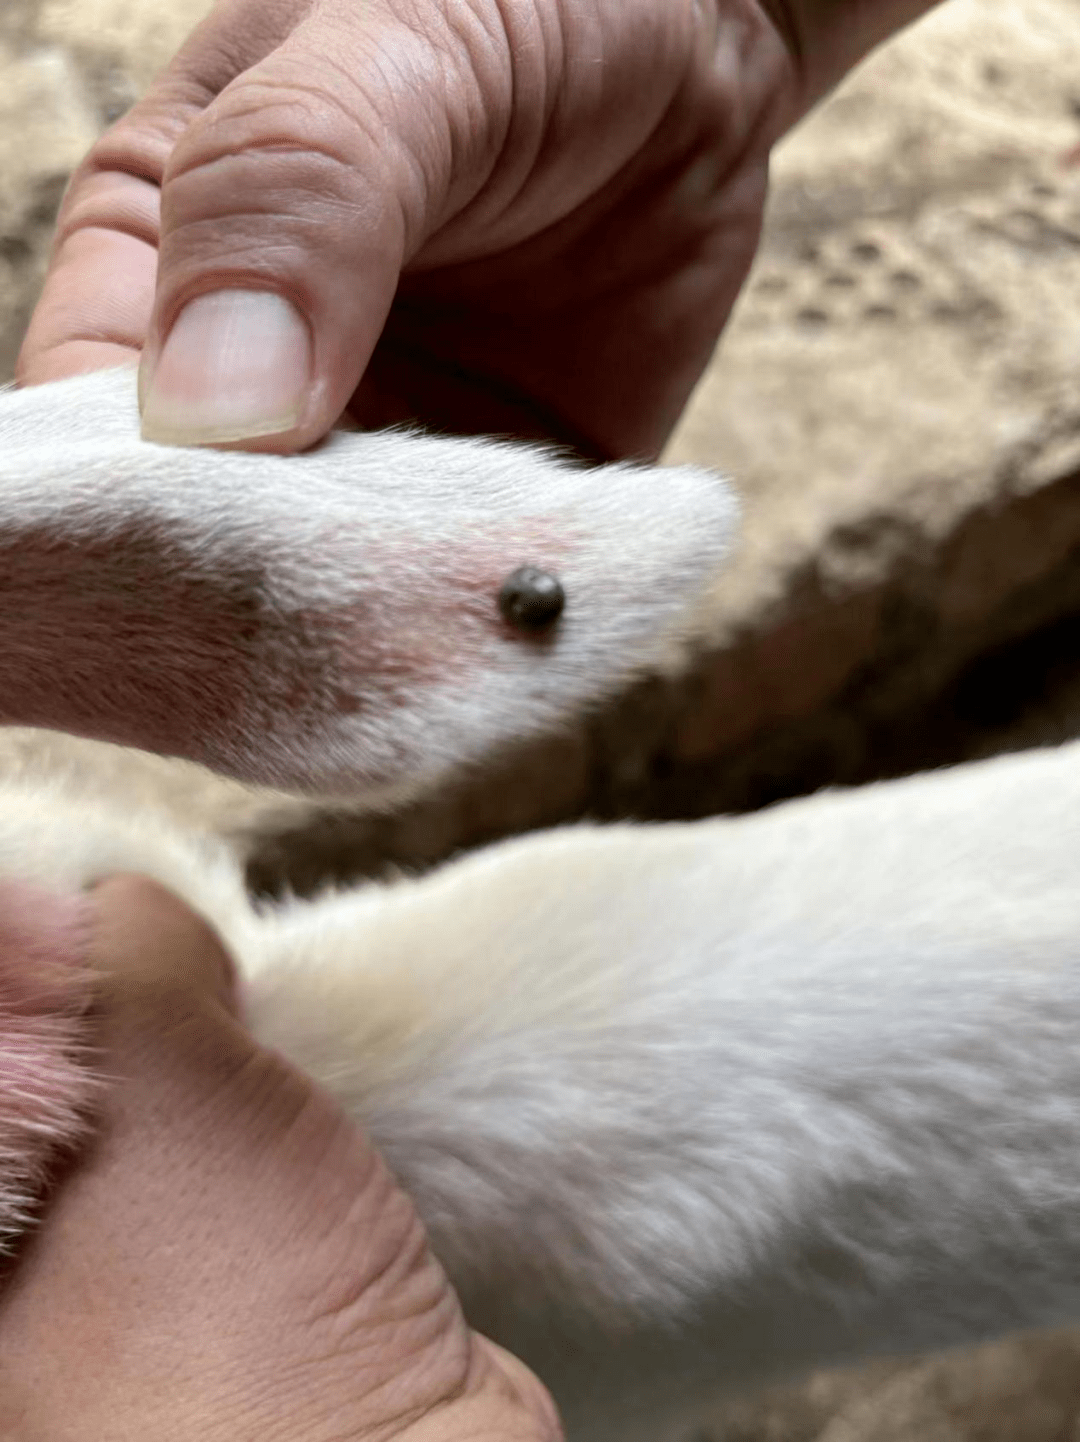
x=429, y=612
x=45, y=1084
x=129, y=638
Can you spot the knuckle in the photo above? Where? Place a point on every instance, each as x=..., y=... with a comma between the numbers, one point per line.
x=111, y=200
x=267, y=116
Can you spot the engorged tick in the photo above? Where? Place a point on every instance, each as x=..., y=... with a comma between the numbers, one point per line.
x=531, y=599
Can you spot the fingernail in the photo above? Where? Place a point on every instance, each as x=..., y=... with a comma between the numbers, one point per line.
x=237, y=364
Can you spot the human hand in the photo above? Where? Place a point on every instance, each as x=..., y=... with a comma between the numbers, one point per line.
x=525, y=216
x=231, y=1259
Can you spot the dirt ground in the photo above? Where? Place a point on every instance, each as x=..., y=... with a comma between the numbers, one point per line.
x=896, y=399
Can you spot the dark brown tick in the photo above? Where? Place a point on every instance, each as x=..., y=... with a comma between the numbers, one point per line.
x=531, y=599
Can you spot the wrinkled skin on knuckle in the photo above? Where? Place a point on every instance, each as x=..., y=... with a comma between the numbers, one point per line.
x=302, y=209
x=653, y=88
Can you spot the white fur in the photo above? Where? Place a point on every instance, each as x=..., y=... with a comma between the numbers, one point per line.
x=688, y=1103
x=328, y=621
x=685, y=1104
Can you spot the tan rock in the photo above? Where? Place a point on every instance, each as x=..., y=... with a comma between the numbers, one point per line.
x=1025, y=1390
x=895, y=397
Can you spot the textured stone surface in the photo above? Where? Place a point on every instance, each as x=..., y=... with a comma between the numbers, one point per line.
x=1014, y=1391
x=896, y=399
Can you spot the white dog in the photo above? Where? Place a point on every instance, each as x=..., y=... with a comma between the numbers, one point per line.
x=679, y=1104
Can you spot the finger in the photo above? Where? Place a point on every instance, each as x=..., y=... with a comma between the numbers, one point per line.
x=98, y=295
x=146, y=941
x=528, y=1391
x=289, y=206
x=145, y=937
x=228, y=1229
x=94, y=309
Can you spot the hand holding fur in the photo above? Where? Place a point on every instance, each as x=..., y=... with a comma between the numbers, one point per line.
x=677, y=1104
x=327, y=622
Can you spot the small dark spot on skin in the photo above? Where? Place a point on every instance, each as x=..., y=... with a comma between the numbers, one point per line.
x=811, y=316
x=1043, y=190
x=866, y=250
x=840, y=280
x=992, y=73
x=905, y=280
x=531, y=599
x=879, y=312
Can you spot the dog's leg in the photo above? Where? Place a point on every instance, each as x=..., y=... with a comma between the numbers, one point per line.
x=676, y=1104
x=685, y=1103
x=329, y=622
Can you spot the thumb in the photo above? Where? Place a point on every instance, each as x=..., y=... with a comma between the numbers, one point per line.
x=144, y=938
x=245, y=225
x=288, y=208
